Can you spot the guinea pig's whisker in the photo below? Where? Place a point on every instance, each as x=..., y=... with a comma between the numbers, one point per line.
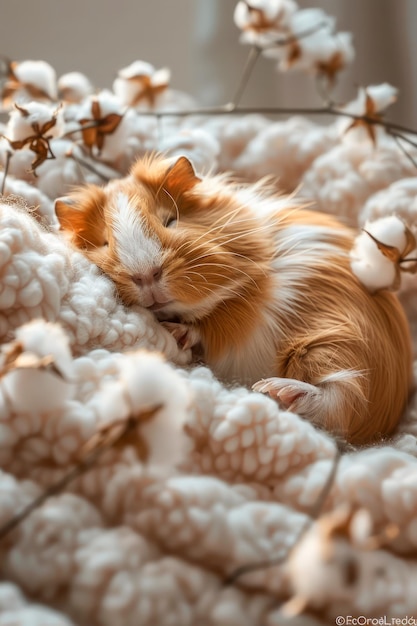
x=215, y=290
x=233, y=254
x=282, y=251
x=200, y=276
x=221, y=265
x=220, y=228
x=228, y=288
x=173, y=202
x=231, y=215
x=245, y=230
x=222, y=240
x=199, y=291
x=238, y=295
x=226, y=239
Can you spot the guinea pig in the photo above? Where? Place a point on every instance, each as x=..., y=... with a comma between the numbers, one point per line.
x=260, y=288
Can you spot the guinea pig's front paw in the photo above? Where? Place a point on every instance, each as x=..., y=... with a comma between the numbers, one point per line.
x=186, y=336
x=291, y=394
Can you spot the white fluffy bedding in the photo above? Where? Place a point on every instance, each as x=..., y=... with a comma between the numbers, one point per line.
x=219, y=477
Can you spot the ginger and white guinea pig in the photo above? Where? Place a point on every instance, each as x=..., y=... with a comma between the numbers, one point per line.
x=261, y=288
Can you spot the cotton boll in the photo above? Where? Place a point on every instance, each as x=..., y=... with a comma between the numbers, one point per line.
x=271, y=10
x=315, y=579
x=370, y=101
x=148, y=382
x=389, y=230
x=324, y=568
x=327, y=570
x=110, y=403
x=46, y=339
x=140, y=83
x=263, y=21
x=137, y=68
x=115, y=144
x=35, y=391
x=312, y=30
x=369, y=264
x=29, y=384
x=22, y=120
x=38, y=79
x=126, y=90
x=335, y=53
x=317, y=48
x=74, y=87
x=344, y=47
x=376, y=97
x=106, y=105
x=20, y=161
x=322, y=52
x=382, y=95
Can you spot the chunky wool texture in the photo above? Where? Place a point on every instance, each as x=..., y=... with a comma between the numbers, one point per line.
x=228, y=478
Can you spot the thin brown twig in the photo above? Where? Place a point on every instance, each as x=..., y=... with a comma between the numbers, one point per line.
x=314, y=514
x=6, y=171
x=251, y=60
x=398, y=138
x=225, y=109
x=404, y=138
x=88, y=166
x=229, y=109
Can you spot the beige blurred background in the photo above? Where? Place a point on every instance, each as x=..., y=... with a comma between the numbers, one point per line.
x=198, y=40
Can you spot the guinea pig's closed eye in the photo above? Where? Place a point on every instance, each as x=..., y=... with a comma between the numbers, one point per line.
x=171, y=222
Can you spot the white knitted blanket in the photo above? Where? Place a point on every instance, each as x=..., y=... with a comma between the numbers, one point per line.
x=219, y=477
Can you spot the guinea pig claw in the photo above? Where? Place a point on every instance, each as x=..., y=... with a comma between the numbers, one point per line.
x=287, y=391
x=185, y=336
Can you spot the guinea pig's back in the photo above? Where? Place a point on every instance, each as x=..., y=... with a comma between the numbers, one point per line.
x=354, y=345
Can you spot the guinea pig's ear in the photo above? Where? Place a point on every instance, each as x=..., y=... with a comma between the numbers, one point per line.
x=180, y=175
x=82, y=216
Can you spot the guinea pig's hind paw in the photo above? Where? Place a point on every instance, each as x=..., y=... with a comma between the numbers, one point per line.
x=185, y=336
x=289, y=392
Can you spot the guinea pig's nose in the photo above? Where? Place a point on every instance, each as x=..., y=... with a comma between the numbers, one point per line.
x=147, y=278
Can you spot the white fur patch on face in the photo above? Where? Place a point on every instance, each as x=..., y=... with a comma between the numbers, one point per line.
x=137, y=251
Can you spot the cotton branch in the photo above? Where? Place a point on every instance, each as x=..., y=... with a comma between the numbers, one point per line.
x=88, y=166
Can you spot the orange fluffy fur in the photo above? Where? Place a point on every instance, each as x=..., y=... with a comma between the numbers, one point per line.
x=263, y=287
